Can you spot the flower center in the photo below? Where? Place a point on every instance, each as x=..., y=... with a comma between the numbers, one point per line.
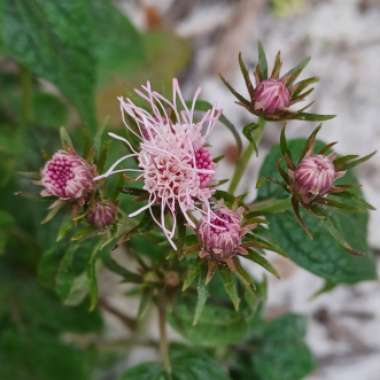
x=60, y=171
x=203, y=160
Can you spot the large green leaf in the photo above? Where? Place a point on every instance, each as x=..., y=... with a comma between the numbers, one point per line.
x=213, y=320
x=278, y=351
x=119, y=45
x=37, y=308
x=38, y=355
x=322, y=256
x=54, y=40
x=144, y=371
x=186, y=365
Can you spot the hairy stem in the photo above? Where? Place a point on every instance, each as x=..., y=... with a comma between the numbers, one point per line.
x=164, y=345
x=246, y=156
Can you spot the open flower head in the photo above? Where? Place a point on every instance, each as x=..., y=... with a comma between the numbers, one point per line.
x=67, y=176
x=173, y=160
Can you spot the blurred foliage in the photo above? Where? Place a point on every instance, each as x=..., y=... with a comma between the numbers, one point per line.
x=275, y=351
x=285, y=8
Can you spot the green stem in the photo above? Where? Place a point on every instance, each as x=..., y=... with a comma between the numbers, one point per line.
x=246, y=156
x=26, y=83
x=164, y=345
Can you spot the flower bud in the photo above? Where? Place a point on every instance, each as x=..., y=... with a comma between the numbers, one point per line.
x=271, y=96
x=315, y=175
x=102, y=214
x=67, y=176
x=221, y=236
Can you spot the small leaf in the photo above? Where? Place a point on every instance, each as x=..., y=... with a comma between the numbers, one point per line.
x=310, y=142
x=269, y=206
x=358, y=161
x=263, y=64
x=293, y=74
x=113, y=266
x=213, y=320
x=277, y=66
x=311, y=116
x=285, y=150
x=58, y=205
x=230, y=286
x=201, y=300
x=301, y=85
x=146, y=300
x=326, y=288
x=263, y=262
x=239, y=97
x=66, y=142
x=246, y=77
x=193, y=271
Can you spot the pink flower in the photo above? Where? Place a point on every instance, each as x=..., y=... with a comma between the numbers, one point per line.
x=67, y=176
x=315, y=175
x=221, y=237
x=271, y=96
x=174, y=163
x=102, y=214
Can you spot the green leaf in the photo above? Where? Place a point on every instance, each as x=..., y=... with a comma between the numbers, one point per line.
x=115, y=267
x=247, y=79
x=239, y=97
x=263, y=64
x=194, y=364
x=293, y=74
x=38, y=308
x=144, y=371
x=53, y=40
x=229, y=282
x=323, y=256
x=201, y=300
x=187, y=365
x=263, y=262
x=193, y=271
x=6, y=222
x=312, y=116
x=278, y=351
x=213, y=320
x=119, y=45
x=48, y=110
x=283, y=355
x=38, y=355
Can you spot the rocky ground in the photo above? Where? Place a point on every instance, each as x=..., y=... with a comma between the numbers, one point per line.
x=343, y=38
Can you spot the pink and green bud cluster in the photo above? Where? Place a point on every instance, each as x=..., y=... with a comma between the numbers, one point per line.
x=311, y=180
x=221, y=236
x=102, y=214
x=272, y=95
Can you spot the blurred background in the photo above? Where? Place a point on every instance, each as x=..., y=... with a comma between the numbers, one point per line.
x=194, y=40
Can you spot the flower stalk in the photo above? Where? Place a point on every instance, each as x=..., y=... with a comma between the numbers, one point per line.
x=243, y=162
